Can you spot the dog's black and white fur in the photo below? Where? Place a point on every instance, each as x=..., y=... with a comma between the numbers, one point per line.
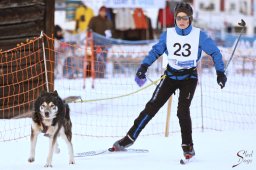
x=51, y=116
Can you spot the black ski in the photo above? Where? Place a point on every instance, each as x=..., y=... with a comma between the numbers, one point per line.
x=109, y=151
x=183, y=161
x=186, y=161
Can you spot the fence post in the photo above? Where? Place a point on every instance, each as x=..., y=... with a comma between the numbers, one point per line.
x=201, y=90
x=167, y=125
x=92, y=58
x=45, y=63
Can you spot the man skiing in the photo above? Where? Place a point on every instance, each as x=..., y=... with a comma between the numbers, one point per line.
x=183, y=45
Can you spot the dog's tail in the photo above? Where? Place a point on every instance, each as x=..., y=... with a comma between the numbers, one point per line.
x=72, y=99
x=67, y=111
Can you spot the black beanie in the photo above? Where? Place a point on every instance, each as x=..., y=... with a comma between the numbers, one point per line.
x=186, y=8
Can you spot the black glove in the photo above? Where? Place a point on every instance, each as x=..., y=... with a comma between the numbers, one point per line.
x=141, y=73
x=221, y=79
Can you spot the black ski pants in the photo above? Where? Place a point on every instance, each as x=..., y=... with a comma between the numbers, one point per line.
x=163, y=91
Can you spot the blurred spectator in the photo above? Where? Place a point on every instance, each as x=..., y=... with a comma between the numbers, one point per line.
x=140, y=19
x=58, y=33
x=63, y=63
x=165, y=17
x=59, y=37
x=101, y=25
x=83, y=16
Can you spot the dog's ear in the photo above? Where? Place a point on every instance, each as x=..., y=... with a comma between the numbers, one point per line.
x=55, y=93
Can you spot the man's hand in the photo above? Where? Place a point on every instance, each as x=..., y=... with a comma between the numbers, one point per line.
x=140, y=78
x=221, y=79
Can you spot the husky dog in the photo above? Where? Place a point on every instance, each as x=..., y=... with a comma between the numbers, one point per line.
x=51, y=117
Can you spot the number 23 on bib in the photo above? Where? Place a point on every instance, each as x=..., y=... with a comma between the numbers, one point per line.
x=182, y=50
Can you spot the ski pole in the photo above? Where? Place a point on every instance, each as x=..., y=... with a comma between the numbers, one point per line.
x=242, y=23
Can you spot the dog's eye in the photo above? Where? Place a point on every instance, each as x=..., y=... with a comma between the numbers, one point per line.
x=54, y=107
x=42, y=107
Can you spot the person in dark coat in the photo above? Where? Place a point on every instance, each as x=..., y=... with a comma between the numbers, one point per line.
x=100, y=24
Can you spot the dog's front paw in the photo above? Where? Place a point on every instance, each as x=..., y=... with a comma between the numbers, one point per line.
x=48, y=165
x=31, y=159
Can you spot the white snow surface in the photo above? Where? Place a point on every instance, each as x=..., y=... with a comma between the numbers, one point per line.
x=214, y=150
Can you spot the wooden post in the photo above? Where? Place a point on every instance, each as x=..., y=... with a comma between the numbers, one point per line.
x=85, y=59
x=93, y=74
x=168, y=117
x=49, y=30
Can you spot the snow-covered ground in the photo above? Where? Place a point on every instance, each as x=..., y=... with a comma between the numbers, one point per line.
x=214, y=150
x=228, y=113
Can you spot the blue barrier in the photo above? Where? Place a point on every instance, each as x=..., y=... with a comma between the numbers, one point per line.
x=102, y=40
x=227, y=41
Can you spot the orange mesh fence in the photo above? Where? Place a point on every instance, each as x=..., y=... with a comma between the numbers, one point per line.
x=22, y=77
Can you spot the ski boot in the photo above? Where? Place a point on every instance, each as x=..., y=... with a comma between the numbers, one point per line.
x=122, y=144
x=188, y=150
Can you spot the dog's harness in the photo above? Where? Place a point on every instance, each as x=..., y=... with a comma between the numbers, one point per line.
x=45, y=128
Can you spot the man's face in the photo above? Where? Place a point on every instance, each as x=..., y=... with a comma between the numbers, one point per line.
x=102, y=13
x=182, y=20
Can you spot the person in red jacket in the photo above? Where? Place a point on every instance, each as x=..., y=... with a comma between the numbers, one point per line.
x=165, y=17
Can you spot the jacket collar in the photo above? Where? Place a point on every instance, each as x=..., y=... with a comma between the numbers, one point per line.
x=185, y=31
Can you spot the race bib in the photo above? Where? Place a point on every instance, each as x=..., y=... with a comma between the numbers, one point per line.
x=182, y=50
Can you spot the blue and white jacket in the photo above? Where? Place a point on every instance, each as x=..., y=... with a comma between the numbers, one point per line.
x=205, y=43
